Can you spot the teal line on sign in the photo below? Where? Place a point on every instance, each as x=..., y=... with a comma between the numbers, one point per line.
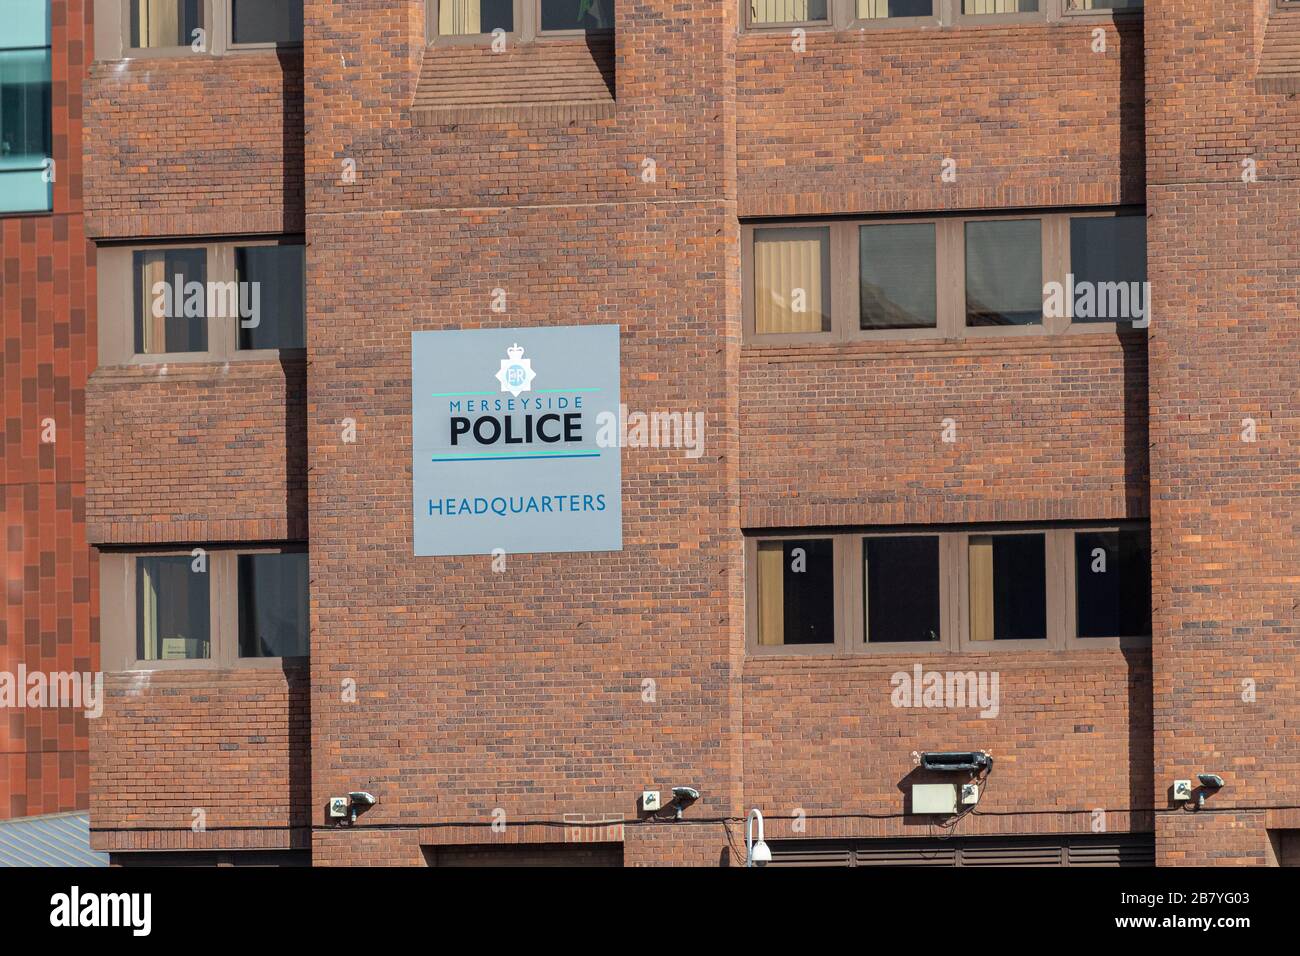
x=522, y=454
x=540, y=391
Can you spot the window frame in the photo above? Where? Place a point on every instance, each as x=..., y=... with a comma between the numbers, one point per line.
x=528, y=27
x=842, y=16
x=950, y=278
x=954, y=592
x=47, y=157
x=1072, y=639
x=118, y=582
x=113, y=34
x=116, y=295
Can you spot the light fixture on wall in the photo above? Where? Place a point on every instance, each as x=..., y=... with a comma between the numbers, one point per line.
x=756, y=853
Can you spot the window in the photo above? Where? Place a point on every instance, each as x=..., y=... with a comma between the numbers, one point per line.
x=213, y=607
x=1004, y=272
x=897, y=276
x=1008, y=587
x=944, y=277
x=172, y=609
x=1108, y=260
x=200, y=301
x=25, y=135
x=273, y=615
x=160, y=24
x=265, y=21
x=901, y=589
x=172, y=28
x=971, y=590
x=796, y=592
x=771, y=12
x=523, y=19
x=166, y=317
x=1112, y=581
x=861, y=14
x=791, y=275
x=276, y=282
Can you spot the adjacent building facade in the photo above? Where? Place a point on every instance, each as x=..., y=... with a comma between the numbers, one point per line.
x=953, y=389
x=47, y=302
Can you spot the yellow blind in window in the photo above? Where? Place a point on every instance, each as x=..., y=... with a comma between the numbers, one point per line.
x=873, y=9
x=159, y=22
x=788, y=283
x=991, y=6
x=771, y=593
x=981, y=588
x=459, y=17
x=778, y=11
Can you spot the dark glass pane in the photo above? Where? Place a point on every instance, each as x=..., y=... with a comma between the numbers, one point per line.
x=1004, y=272
x=897, y=276
x=24, y=109
x=266, y=21
x=796, y=592
x=170, y=300
x=902, y=588
x=1109, y=253
x=164, y=23
x=579, y=14
x=273, y=615
x=1008, y=587
x=272, y=292
x=172, y=618
x=1112, y=580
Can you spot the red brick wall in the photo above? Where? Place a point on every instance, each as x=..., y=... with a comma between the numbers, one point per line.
x=194, y=145
x=231, y=744
x=198, y=452
x=47, y=301
x=1224, y=511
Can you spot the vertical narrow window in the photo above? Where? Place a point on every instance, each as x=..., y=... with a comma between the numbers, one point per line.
x=980, y=7
x=1004, y=272
x=792, y=280
x=1008, y=587
x=164, y=23
x=796, y=592
x=469, y=17
x=170, y=300
x=787, y=11
x=272, y=292
x=1108, y=259
x=172, y=603
x=265, y=21
x=25, y=134
x=273, y=610
x=1112, y=581
x=884, y=9
x=897, y=276
x=901, y=588
x=577, y=15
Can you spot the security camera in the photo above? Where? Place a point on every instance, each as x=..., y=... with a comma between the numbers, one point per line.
x=683, y=797
x=359, y=801
x=1209, y=781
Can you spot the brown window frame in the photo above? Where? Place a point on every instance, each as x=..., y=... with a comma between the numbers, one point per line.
x=950, y=278
x=116, y=297
x=528, y=27
x=954, y=593
x=113, y=34
x=119, y=640
x=841, y=15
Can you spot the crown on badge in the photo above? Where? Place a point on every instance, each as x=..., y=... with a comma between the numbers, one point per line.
x=515, y=352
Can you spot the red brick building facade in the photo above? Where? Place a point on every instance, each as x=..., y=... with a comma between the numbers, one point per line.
x=521, y=703
x=47, y=300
